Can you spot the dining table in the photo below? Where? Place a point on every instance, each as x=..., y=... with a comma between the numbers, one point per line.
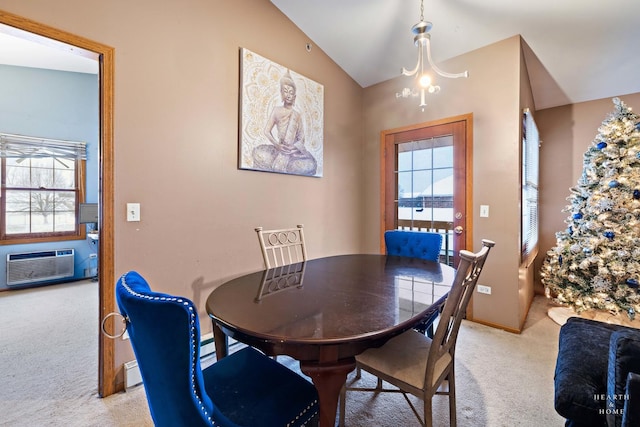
x=325, y=311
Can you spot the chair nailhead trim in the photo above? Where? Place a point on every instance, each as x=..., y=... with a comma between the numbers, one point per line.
x=194, y=347
x=305, y=410
x=194, y=358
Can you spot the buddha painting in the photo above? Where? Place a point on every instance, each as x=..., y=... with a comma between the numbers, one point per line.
x=288, y=140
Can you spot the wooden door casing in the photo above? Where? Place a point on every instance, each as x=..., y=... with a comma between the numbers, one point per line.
x=460, y=127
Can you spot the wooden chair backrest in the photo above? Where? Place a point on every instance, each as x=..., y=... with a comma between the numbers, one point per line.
x=282, y=247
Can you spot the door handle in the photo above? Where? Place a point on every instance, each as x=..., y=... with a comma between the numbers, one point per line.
x=458, y=229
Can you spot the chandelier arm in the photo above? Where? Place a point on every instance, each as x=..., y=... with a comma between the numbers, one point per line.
x=413, y=72
x=435, y=67
x=422, y=40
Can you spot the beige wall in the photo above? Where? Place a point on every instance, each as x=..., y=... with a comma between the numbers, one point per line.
x=176, y=109
x=492, y=94
x=566, y=133
x=176, y=136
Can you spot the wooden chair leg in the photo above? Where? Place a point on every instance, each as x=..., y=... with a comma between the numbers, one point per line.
x=428, y=411
x=343, y=407
x=452, y=398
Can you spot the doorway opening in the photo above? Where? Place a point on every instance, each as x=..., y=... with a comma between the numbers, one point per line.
x=49, y=36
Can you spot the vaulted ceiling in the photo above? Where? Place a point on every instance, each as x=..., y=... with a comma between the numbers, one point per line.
x=580, y=50
x=585, y=50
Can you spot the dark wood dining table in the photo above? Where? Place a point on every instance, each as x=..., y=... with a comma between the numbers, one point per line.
x=325, y=311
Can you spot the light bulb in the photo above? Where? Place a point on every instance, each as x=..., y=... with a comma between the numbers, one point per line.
x=425, y=81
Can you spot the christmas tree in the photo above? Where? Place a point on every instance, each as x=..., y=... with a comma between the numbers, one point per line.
x=596, y=261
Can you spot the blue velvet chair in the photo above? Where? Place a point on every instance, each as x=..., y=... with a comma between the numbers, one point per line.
x=416, y=244
x=245, y=388
x=597, y=376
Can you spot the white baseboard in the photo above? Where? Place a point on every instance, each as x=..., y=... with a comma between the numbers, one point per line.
x=132, y=376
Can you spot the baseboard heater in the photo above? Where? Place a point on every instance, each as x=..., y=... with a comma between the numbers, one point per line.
x=133, y=377
x=35, y=267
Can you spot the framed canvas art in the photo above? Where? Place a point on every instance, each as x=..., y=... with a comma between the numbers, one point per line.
x=281, y=119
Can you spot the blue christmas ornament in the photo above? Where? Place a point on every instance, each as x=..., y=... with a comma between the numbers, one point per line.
x=638, y=155
x=636, y=194
x=609, y=235
x=570, y=230
x=631, y=313
x=587, y=251
x=560, y=259
x=601, y=145
x=613, y=184
x=577, y=215
x=632, y=283
x=638, y=126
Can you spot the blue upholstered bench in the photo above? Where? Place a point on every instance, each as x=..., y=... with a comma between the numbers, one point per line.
x=597, y=381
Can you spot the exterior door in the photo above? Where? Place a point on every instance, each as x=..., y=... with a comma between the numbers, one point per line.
x=425, y=170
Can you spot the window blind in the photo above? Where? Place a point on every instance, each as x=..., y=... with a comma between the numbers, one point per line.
x=20, y=146
x=530, y=167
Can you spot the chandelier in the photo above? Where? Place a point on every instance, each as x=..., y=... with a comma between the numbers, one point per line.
x=422, y=40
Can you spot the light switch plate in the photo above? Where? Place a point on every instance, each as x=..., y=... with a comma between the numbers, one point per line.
x=133, y=212
x=484, y=211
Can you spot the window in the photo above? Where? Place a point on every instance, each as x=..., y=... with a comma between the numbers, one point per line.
x=42, y=185
x=530, y=158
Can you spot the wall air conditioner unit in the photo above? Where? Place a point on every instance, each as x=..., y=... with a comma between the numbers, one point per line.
x=34, y=267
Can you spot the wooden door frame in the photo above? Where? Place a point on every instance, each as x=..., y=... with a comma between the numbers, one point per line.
x=468, y=120
x=105, y=55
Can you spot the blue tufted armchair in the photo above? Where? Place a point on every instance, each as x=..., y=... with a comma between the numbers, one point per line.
x=245, y=388
x=416, y=244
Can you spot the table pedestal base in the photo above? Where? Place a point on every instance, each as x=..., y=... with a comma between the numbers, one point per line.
x=328, y=379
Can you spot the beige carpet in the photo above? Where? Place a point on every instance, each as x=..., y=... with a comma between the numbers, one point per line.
x=48, y=370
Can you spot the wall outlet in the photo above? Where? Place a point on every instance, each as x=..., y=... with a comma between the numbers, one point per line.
x=484, y=289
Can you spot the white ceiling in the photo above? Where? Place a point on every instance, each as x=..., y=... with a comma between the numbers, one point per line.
x=18, y=51
x=587, y=49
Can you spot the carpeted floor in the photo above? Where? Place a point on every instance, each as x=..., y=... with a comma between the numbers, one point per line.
x=48, y=370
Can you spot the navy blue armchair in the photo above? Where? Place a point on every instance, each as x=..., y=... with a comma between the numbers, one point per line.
x=597, y=376
x=416, y=244
x=245, y=388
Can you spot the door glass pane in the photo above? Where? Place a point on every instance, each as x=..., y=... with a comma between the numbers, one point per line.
x=404, y=161
x=425, y=188
x=422, y=159
x=443, y=156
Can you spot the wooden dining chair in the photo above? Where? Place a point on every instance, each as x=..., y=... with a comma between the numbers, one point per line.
x=418, y=365
x=282, y=247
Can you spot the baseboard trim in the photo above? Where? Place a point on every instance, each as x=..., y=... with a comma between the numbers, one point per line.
x=132, y=376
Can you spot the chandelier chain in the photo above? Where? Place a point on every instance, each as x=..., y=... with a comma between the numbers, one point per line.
x=421, y=10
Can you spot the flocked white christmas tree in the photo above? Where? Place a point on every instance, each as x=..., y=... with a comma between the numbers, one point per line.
x=596, y=261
